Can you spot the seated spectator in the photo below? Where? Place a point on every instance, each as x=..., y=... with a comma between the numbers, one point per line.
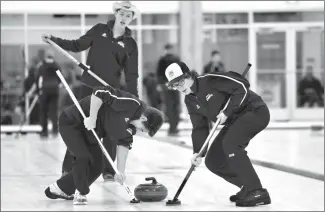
x=310, y=90
x=215, y=64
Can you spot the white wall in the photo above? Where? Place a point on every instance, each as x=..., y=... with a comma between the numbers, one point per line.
x=34, y=37
x=98, y=7
x=259, y=6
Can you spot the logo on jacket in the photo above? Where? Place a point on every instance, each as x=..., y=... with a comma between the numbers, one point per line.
x=129, y=130
x=126, y=119
x=208, y=97
x=171, y=74
x=121, y=44
x=198, y=106
x=104, y=35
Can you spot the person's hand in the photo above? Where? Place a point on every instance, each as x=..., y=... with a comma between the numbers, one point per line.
x=196, y=160
x=222, y=117
x=46, y=37
x=90, y=123
x=120, y=177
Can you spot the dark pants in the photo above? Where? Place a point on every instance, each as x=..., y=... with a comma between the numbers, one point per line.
x=108, y=143
x=227, y=157
x=86, y=155
x=49, y=107
x=172, y=102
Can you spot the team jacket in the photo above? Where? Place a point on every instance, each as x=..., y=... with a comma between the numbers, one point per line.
x=107, y=55
x=50, y=81
x=210, y=94
x=114, y=116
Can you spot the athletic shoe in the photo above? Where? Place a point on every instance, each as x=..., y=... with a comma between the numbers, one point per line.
x=79, y=199
x=234, y=198
x=54, y=192
x=254, y=198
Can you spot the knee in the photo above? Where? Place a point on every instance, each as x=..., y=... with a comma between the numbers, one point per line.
x=231, y=150
x=84, y=159
x=214, y=166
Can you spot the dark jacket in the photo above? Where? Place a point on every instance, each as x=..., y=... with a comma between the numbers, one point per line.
x=306, y=86
x=107, y=56
x=210, y=94
x=114, y=116
x=209, y=68
x=51, y=81
x=163, y=63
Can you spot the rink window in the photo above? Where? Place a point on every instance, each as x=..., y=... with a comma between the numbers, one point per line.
x=12, y=20
x=93, y=19
x=160, y=19
x=289, y=17
x=54, y=20
x=225, y=18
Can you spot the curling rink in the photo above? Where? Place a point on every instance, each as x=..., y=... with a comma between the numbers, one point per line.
x=290, y=164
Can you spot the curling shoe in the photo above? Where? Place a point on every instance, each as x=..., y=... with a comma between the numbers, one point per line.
x=54, y=192
x=241, y=193
x=254, y=198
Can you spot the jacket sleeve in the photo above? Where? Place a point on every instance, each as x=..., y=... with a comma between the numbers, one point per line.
x=117, y=99
x=127, y=142
x=200, y=130
x=132, y=72
x=236, y=87
x=81, y=44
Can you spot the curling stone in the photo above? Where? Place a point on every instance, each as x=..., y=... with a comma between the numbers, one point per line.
x=151, y=192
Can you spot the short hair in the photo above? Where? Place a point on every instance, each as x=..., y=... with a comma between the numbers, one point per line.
x=215, y=52
x=168, y=46
x=155, y=120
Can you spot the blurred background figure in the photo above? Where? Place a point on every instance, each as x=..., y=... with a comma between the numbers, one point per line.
x=310, y=90
x=151, y=84
x=76, y=87
x=48, y=88
x=171, y=97
x=30, y=86
x=278, y=42
x=215, y=64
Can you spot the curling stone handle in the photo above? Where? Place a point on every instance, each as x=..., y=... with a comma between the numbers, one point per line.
x=154, y=181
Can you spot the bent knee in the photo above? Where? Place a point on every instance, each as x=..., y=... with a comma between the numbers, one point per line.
x=84, y=159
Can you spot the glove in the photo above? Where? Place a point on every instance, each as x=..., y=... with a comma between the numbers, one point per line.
x=90, y=123
x=46, y=37
x=120, y=177
x=222, y=117
x=196, y=161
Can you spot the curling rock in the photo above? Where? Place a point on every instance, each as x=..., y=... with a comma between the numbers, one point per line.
x=151, y=192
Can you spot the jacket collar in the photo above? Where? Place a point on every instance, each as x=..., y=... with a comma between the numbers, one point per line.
x=110, y=25
x=195, y=86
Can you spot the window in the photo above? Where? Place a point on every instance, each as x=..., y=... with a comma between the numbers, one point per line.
x=12, y=20
x=289, y=17
x=225, y=18
x=160, y=19
x=54, y=20
x=93, y=19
